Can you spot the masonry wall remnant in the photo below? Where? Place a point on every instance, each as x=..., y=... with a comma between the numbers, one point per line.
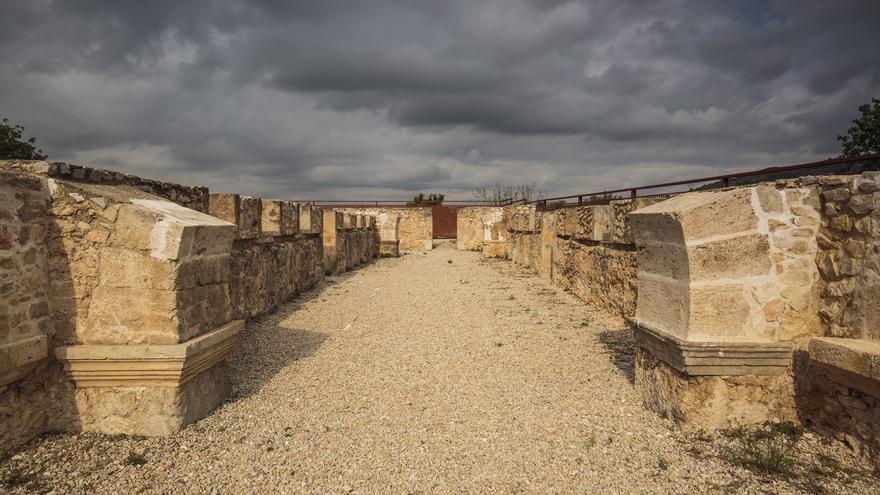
x=585, y=249
x=415, y=226
x=746, y=304
x=349, y=240
x=122, y=296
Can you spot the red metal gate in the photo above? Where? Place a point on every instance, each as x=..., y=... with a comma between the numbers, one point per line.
x=445, y=221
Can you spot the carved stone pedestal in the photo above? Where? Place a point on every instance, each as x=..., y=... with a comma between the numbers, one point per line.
x=149, y=389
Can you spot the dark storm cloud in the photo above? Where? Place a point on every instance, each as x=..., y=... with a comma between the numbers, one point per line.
x=308, y=99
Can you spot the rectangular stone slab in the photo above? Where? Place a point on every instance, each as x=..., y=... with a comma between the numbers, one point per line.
x=713, y=358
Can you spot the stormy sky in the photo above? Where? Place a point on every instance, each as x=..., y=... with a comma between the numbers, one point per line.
x=381, y=99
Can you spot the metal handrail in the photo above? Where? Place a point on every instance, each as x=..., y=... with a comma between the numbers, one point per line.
x=725, y=182
x=396, y=203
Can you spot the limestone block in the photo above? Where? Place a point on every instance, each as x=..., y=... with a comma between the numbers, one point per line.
x=226, y=207
x=389, y=249
x=852, y=362
x=754, y=281
x=665, y=260
x=663, y=303
x=147, y=365
x=289, y=218
x=348, y=221
x=306, y=220
x=19, y=358
x=250, y=215
x=469, y=229
x=741, y=256
x=162, y=276
x=494, y=228
x=389, y=225
x=714, y=358
x=270, y=223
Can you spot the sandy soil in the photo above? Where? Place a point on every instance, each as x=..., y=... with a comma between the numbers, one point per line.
x=437, y=373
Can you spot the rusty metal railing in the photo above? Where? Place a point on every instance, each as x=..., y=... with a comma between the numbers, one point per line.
x=604, y=197
x=371, y=203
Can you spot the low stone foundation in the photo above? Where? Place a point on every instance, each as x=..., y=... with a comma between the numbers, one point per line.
x=712, y=402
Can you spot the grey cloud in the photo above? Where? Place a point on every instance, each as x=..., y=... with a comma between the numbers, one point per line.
x=307, y=99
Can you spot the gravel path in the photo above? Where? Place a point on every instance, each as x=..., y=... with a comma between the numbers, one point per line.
x=437, y=373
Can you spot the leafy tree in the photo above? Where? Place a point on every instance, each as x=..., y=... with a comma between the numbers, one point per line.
x=506, y=192
x=864, y=136
x=431, y=199
x=12, y=147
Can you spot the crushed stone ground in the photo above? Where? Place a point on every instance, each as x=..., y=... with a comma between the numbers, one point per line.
x=436, y=373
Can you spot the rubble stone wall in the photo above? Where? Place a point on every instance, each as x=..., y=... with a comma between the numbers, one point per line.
x=25, y=327
x=849, y=261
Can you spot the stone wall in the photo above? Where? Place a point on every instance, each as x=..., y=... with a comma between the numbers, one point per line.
x=277, y=252
x=25, y=328
x=841, y=387
x=585, y=249
x=350, y=240
x=415, y=225
x=848, y=261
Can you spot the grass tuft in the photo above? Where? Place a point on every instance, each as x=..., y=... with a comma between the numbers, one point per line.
x=135, y=459
x=767, y=448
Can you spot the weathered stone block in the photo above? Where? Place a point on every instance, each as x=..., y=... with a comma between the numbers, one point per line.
x=663, y=303
x=20, y=357
x=272, y=217
x=853, y=362
x=250, y=216
x=389, y=249
x=736, y=257
x=310, y=219
x=289, y=218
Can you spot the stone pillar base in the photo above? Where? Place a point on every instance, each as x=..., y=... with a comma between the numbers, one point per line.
x=149, y=389
x=710, y=385
x=495, y=249
x=389, y=249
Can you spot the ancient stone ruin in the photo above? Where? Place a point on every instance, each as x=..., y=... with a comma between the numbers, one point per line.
x=121, y=296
